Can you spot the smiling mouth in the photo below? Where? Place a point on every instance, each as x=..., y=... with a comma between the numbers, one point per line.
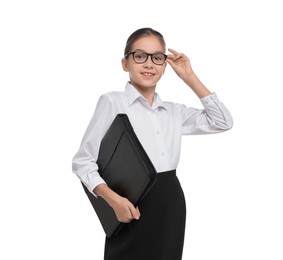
x=147, y=74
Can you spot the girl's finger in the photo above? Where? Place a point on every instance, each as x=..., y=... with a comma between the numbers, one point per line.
x=173, y=51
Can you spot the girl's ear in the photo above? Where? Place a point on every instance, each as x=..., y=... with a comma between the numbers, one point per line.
x=125, y=64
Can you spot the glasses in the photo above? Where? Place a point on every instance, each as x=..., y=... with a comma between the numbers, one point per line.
x=141, y=57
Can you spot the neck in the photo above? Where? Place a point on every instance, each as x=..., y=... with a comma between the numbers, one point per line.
x=147, y=93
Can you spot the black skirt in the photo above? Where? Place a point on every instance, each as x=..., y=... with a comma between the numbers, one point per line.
x=159, y=233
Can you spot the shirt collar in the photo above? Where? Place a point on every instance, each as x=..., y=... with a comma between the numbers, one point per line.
x=133, y=94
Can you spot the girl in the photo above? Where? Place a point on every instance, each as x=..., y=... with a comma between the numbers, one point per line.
x=155, y=230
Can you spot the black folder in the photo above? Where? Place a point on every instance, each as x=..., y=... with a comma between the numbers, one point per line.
x=126, y=168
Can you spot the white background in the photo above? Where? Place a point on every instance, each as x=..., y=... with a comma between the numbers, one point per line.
x=57, y=57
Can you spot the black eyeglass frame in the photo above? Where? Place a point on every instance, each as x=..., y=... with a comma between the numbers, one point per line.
x=148, y=54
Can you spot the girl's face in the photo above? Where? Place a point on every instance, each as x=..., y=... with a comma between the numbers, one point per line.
x=146, y=75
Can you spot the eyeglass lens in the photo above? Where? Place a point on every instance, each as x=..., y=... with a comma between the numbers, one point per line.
x=157, y=58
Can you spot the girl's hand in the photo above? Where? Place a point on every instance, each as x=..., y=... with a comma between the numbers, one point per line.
x=125, y=210
x=180, y=63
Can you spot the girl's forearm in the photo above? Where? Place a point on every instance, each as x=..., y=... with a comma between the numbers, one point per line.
x=196, y=85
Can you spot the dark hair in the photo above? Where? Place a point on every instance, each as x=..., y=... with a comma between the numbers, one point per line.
x=143, y=32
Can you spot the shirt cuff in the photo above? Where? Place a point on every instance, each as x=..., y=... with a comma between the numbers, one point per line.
x=93, y=182
x=209, y=100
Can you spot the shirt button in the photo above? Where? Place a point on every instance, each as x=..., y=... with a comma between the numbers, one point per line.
x=162, y=154
x=157, y=132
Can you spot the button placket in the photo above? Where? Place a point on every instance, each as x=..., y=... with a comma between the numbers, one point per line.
x=158, y=136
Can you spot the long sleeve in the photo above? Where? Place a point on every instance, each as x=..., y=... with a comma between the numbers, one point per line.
x=158, y=127
x=84, y=162
x=214, y=118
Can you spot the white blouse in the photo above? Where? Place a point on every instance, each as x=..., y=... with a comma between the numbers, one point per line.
x=159, y=128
